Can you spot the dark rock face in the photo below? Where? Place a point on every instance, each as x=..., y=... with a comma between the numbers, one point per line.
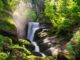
x=61, y=57
x=77, y=57
x=6, y=47
x=51, y=44
x=45, y=42
x=37, y=54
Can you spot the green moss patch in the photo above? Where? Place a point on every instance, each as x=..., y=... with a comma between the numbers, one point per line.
x=4, y=40
x=7, y=24
x=3, y=56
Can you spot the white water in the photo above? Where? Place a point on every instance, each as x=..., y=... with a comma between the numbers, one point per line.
x=32, y=28
x=36, y=46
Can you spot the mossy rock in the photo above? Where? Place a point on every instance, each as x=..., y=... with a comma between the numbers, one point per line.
x=17, y=55
x=3, y=56
x=27, y=44
x=8, y=28
x=23, y=56
x=7, y=24
x=24, y=42
x=4, y=40
x=23, y=49
x=32, y=57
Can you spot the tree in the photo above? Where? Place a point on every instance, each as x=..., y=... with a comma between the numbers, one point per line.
x=63, y=13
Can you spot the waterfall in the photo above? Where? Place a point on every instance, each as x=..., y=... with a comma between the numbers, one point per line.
x=32, y=28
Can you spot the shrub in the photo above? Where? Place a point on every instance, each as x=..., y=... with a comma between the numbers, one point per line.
x=62, y=13
x=32, y=14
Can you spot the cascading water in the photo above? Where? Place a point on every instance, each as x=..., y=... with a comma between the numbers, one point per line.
x=21, y=18
x=32, y=28
x=31, y=31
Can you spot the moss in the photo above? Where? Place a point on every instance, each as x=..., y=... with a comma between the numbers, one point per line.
x=27, y=44
x=32, y=57
x=25, y=50
x=24, y=42
x=16, y=55
x=7, y=24
x=4, y=40
x=3, y=56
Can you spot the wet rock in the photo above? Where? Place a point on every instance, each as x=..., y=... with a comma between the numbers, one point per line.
x=50, y=40
x=37, y=54
x=43, y=33
x=43, y=47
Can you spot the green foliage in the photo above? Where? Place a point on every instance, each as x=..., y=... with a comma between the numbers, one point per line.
x=3, y=56
x=62, y=13
x=9, y=4
x=71, y=51
x=70, y=48
x=32, y=14
x=1, y=5
x=6, y=21
x=73, y=45
x=6, y=7
x=76, y=37
x=12, y=3
x=76, y=42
